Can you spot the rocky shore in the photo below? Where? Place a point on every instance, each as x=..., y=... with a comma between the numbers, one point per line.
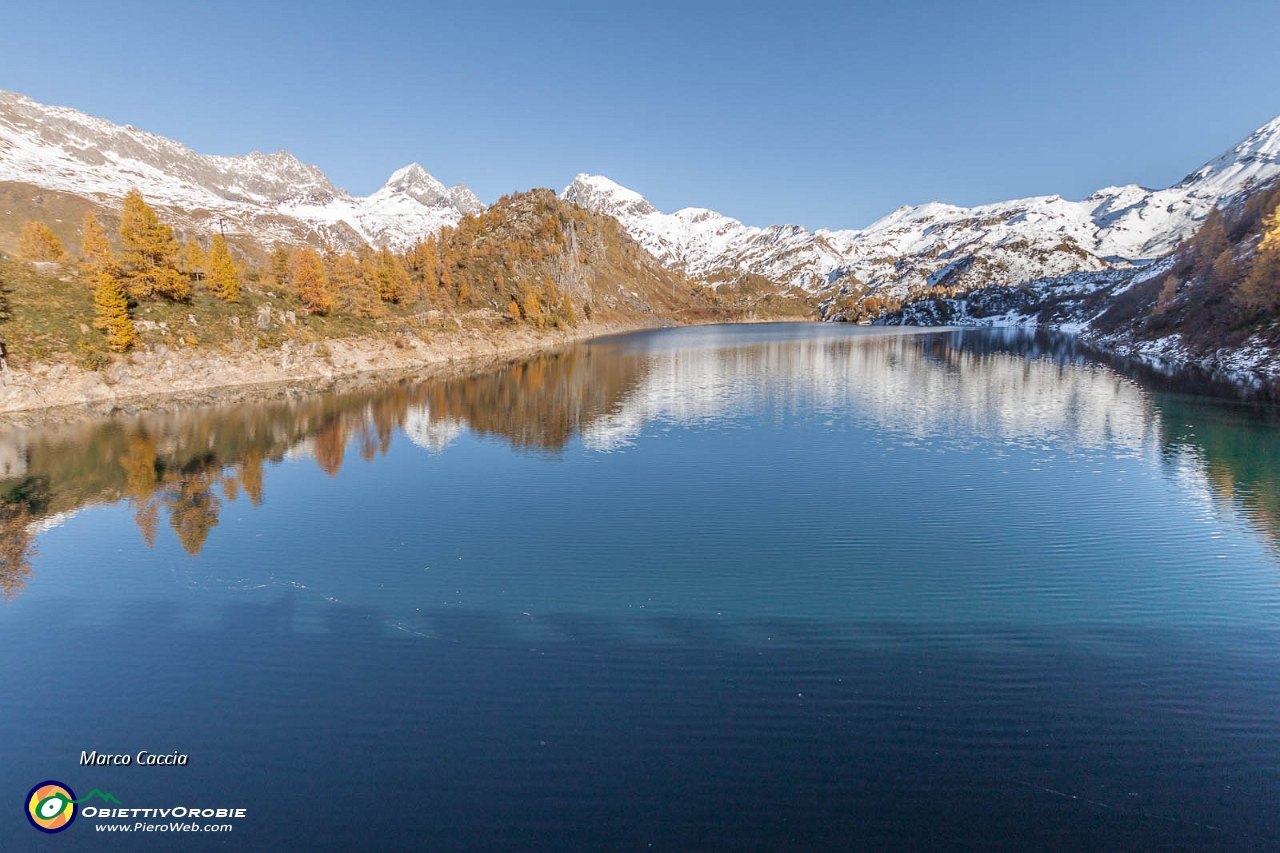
x=162, y=377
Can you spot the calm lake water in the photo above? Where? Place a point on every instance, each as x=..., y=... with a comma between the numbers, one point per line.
x=726, y=588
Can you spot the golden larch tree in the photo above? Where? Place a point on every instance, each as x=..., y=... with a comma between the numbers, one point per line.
x=392, y=277
x=37, y=242
x=466, y=296
x=428, y=258
x=101, y=270
x=193, y=259
x=567, y=313
x=529, y=303
x=278, y=266
x=355, y=287
x=1260, y=289
x=149, y=266
x=309, y=281
x=95, y=249
x=111, y=310
x=224, y=278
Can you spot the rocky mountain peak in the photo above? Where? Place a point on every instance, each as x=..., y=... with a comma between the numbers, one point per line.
x=417, y=182
x=1252, y=161
x=596, y=192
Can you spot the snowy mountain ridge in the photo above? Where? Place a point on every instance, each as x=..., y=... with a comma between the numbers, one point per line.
x=942, y=245
x=274, y=197
x=277, y=198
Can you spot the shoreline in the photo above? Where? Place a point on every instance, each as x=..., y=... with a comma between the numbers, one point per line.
x=163, y=378
x=1252, y=370
x=1248, y=372
x=160, y=379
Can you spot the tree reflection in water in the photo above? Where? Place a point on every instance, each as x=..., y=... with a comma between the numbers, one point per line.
x=186, y=466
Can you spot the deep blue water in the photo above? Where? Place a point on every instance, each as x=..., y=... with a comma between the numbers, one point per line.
x=727, y=588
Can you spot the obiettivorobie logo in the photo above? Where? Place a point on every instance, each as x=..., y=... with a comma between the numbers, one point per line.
x=51, y=805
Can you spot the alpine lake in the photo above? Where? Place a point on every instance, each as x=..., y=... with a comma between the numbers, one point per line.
x=789, y=587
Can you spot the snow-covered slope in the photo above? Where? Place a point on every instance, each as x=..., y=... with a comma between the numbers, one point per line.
x=943, y=245
x=701, y=241
x=270, y=196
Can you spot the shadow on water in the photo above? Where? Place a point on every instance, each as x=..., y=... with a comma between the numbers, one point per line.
x=182, y=468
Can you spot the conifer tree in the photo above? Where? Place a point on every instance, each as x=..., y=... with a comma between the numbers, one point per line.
x=193, y=259
x=392, y=278
x=529, y=298
x=95, y=250
x=110, y=303
x=566, y=311
x=342, y=271
x=149, y=266
x=1168, y=292
x=38, y=243
x=278, y=266
x=309, y=281
x=356, y=290
x=1260, y=289
x=1224, y=272
x=224, y=278
x=111, y=308
x=429, y=262
x=1211, y=239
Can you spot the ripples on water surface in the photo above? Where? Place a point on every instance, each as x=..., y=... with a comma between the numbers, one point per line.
x=725, y=588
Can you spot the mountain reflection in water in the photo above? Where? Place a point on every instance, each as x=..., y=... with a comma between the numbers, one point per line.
x=184, y=467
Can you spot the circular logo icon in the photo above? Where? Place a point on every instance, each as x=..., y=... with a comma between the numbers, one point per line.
x=51, y=806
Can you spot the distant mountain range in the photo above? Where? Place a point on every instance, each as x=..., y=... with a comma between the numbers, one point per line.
x=273, y=197
x=276, y=198
x=943, y=245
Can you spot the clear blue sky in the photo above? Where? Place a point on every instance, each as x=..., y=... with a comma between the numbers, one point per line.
x=812, y=113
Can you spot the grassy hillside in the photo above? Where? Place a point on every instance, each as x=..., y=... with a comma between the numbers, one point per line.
x=530, y=260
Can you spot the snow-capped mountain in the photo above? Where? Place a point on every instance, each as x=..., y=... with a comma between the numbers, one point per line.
x=700, y=241
x=270, y=196
x=939, y=244
x=274, y=197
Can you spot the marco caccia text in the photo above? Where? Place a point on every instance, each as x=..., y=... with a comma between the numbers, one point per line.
x=142, y=759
